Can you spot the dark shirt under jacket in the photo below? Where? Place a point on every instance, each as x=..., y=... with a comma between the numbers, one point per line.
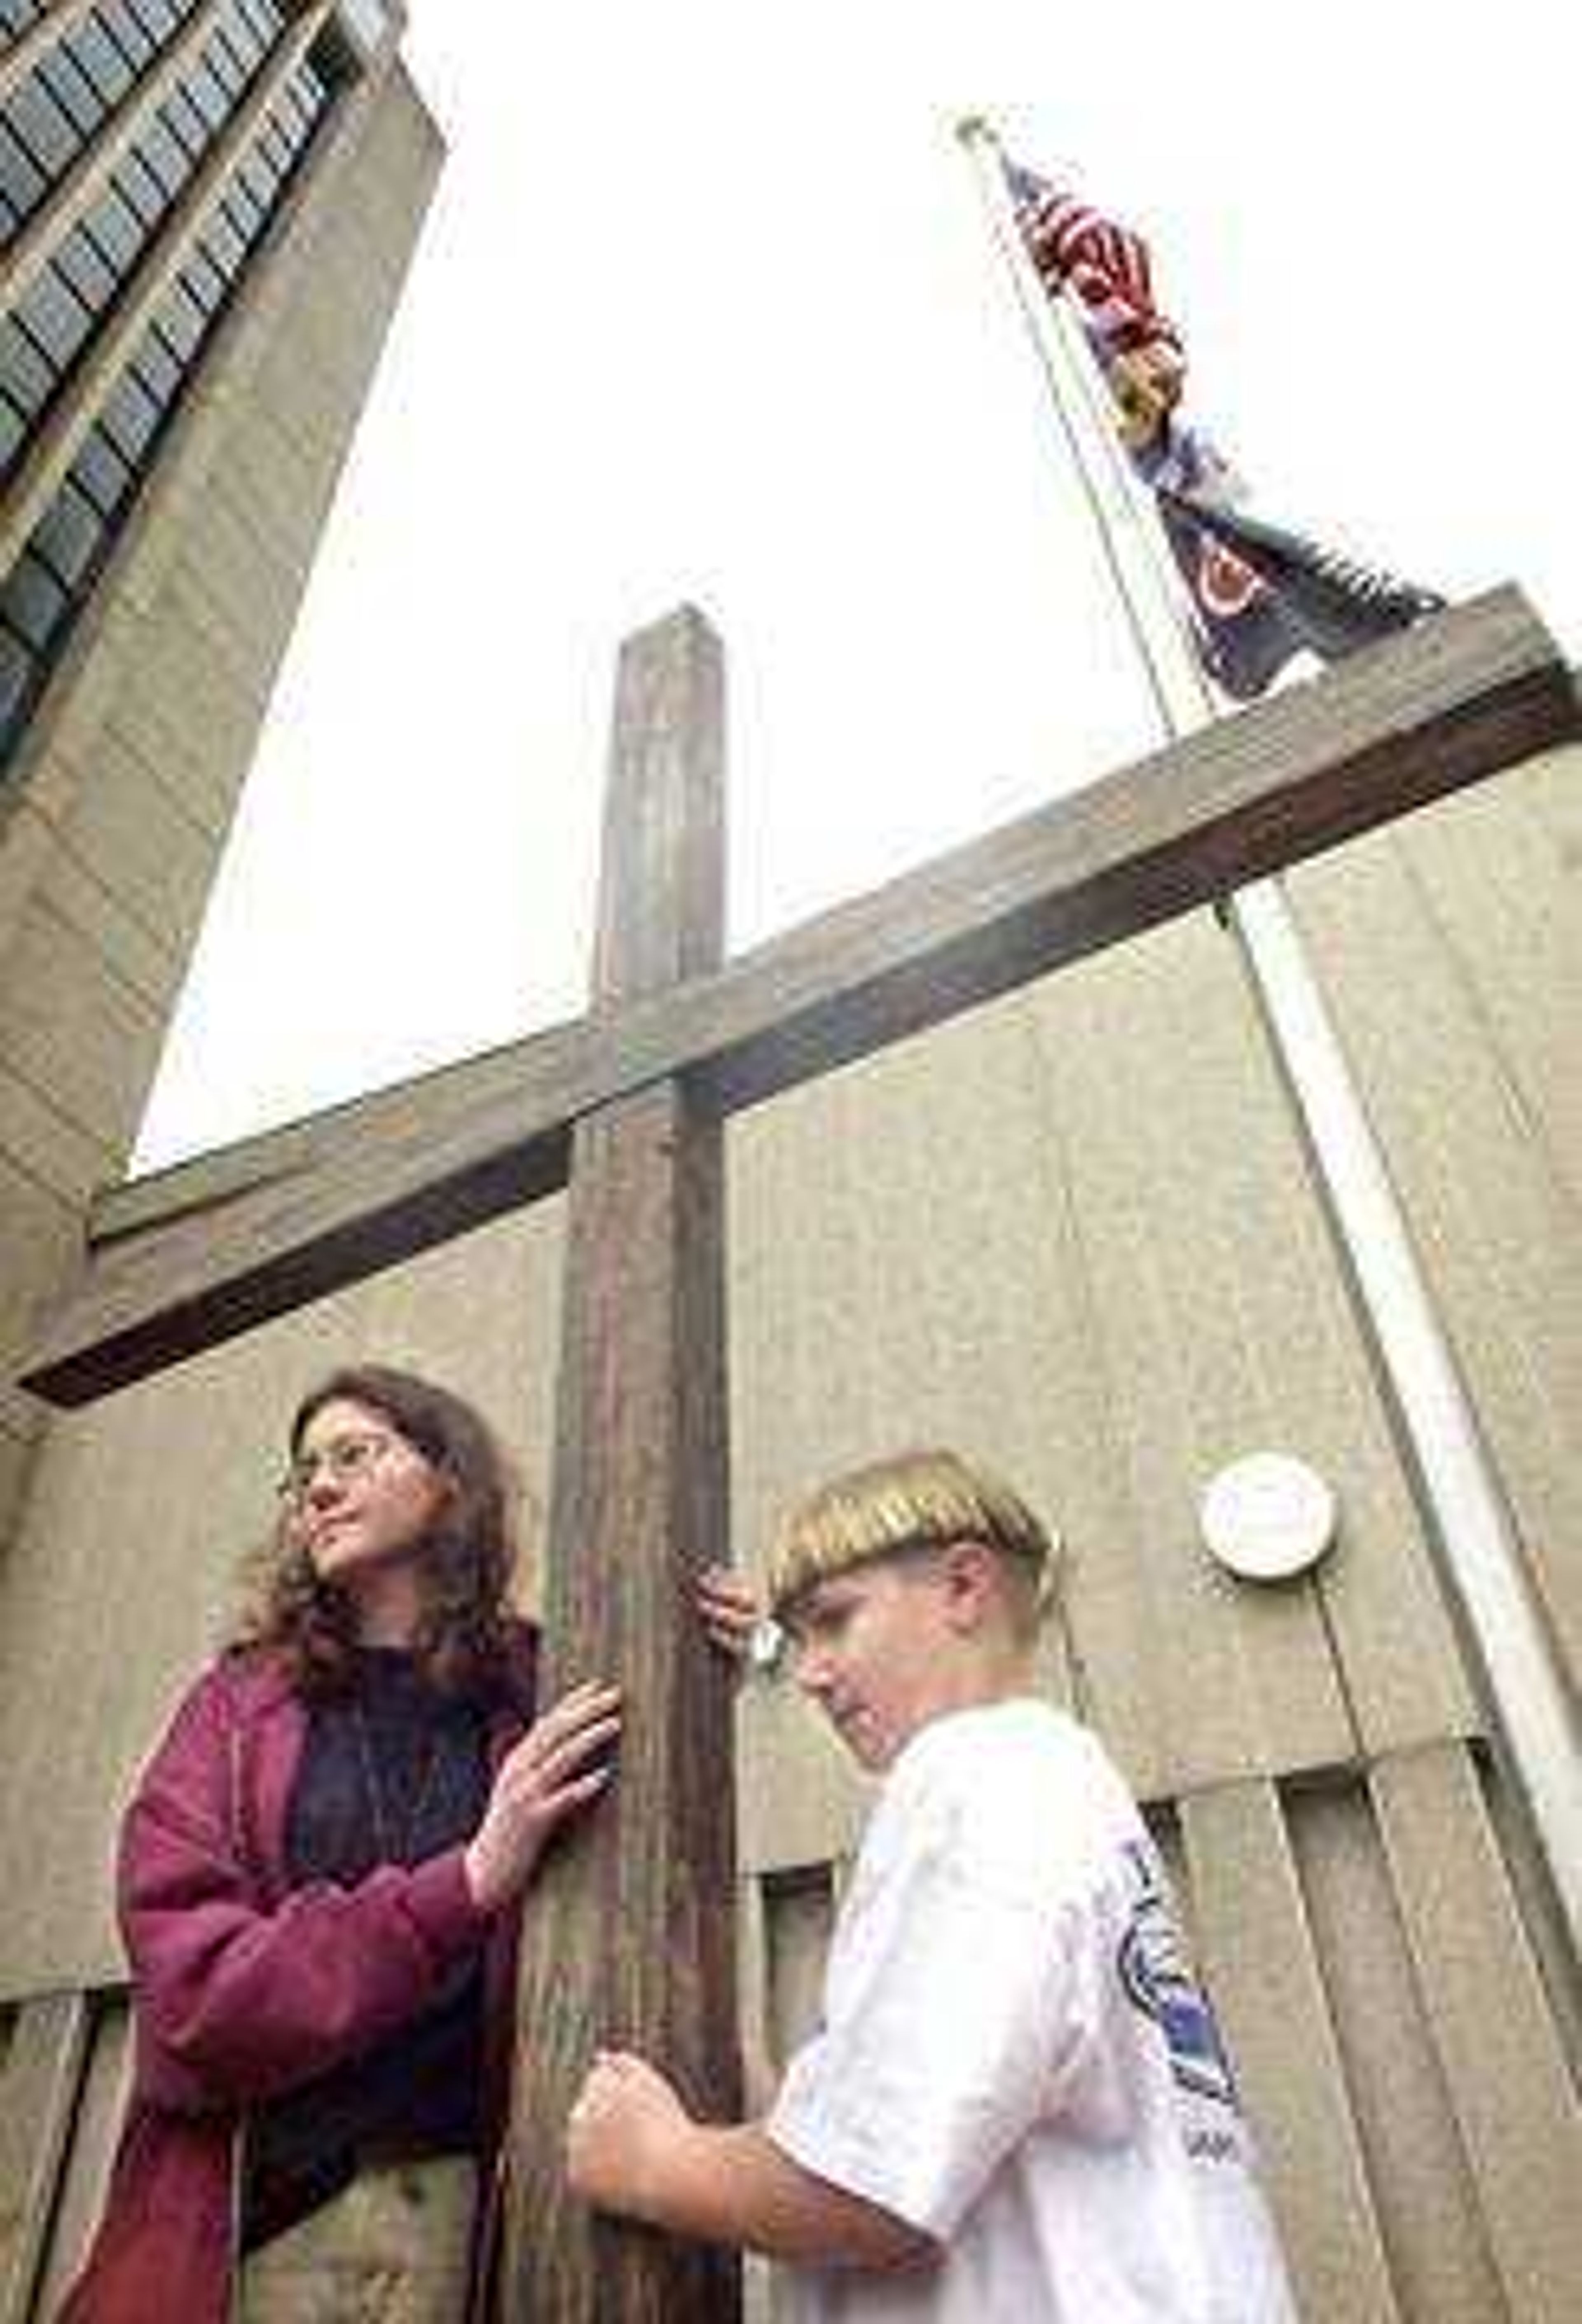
x=391, y=1773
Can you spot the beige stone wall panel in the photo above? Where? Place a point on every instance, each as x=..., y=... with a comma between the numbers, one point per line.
x=1416, y=2164
x=41, y=1140
x=20, y=1433
x=73, y=1026
x=136, y=948
x=139, y=841
x=1513, y=2099
x=43, y=1237
x=1260, y=1960
x=1452, y=955
x=193, y=744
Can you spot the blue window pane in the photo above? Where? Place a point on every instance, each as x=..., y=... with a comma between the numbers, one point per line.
x=33, y=600
x=118, y=231
x=72, y=91
x=203, y=280
x=12, y=432
x=244, y=213
x=158, y=369
x=67, y=536
x=224, y=245
x=185, y=120
x=55, y=317
x=157, y=17
x=16, y=671
x=25, y=376
x=182, y=322
x=243, y=35
x=126, y=31
x=226, y=67
x=168, y=159
x=21, y=180
x=138, y=183
x=100, y=60
x=129, y=419
x=43, y=128
x=101, y=472
x=207, y=95
x=85, y=269
x=260, y=179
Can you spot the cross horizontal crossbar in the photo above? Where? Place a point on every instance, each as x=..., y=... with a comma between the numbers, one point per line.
x=1461, y=696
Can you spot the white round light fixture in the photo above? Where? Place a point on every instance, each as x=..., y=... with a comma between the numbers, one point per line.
x=1268, y=1516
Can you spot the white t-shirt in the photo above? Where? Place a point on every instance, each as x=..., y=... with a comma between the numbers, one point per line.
x=1014, y=2056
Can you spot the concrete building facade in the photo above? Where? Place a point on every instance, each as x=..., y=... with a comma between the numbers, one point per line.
x=207, y=210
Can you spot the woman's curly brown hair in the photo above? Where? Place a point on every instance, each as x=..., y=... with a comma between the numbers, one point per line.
x=463, y=1643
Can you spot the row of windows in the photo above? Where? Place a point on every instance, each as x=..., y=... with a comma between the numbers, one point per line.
x=66, y=100
x=85, y=75
x=38, y=342
x=51, y=580
x=47, y=122
x=53, y=325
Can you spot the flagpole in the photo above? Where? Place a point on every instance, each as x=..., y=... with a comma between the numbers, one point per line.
x=1128, y=529
x=1469, y=1522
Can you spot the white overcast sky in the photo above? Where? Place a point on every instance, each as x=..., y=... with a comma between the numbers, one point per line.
x=707, y=310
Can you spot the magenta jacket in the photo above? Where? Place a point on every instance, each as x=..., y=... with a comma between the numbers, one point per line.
x=242, y=1988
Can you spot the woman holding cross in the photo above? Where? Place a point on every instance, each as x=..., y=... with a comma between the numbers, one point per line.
x=316, y=1876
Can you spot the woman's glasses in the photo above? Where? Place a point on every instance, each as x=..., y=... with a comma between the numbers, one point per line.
x=344, y=1459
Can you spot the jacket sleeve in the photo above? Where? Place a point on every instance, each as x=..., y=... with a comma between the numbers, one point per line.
x=238, y=2000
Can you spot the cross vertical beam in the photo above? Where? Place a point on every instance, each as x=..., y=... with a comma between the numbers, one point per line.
x=628, y=1936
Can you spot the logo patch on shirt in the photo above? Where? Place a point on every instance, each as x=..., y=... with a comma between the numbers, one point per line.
x=1155, y=1972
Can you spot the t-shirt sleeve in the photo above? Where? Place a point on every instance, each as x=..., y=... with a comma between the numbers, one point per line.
x=961, y=2011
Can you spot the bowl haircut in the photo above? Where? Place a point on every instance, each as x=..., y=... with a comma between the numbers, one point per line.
x=912, y=1504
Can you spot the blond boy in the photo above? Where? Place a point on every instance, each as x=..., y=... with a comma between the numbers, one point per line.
x=1016, y=2109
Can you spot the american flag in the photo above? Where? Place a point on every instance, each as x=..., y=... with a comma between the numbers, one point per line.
x=1105, y=267
x=1260, y=595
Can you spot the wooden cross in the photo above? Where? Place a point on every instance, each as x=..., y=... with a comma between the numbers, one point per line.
x=630, y=1932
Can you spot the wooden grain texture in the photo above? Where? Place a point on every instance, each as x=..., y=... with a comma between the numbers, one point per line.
x=1469, y=692
x=629, y=1936
x=38, y=2099
x=1260, y=1960
x=1513, y=2100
